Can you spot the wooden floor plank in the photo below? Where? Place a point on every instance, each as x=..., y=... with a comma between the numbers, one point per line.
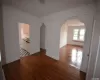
x=42, y=67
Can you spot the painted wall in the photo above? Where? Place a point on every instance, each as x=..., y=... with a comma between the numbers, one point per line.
x=26, y=30
x=11, y=18
x=1, y=77
x=94, y=60
x=97, y=67
x=42, y=36
x=63, y=35
x=2, y=46
x=70, y=35
x=54, y=22
x=2, y=49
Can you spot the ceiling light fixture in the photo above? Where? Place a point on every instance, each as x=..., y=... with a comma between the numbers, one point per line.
x=42, y=1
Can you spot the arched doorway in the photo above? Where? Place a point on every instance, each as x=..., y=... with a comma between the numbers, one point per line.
x=72, y=37
x=43, y=38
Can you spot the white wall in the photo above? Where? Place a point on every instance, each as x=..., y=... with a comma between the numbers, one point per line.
x=97, y=31
x=70, y=35
x=42, y=36
x=2, y=46
x=63, y=35
x=11, y=18
x=25, y=28
x=2, y=49
x=54, y=22
x=1, y=34
x=94, y=60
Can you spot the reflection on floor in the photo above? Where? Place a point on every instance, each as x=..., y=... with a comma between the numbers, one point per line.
x=41, y=67
x=72, y=55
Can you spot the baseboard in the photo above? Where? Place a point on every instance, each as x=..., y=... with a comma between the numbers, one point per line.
x=64, y=46
x=75, y=45
x=72, y=45
x=10, y=63
x=83, y=72
x=42, y=49
x=51, y=57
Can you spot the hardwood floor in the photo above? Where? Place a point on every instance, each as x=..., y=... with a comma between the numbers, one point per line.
x=41, y=67
x=71, y=55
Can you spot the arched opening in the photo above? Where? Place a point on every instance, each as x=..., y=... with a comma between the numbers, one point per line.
x=72, y=37
x=43, y=38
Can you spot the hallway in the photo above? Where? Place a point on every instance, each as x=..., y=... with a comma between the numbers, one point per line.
x=41, y=67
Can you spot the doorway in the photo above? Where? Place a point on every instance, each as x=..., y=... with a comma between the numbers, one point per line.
x=24, y=39
x=72, y=37
x=43, y=38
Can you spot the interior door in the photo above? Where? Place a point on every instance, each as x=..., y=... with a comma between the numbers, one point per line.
x=94, y=58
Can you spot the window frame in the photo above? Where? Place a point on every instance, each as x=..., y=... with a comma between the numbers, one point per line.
x=78, y=35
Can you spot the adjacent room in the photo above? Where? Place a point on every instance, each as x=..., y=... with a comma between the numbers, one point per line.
x=72, y=37
x=24, y=39
x=49, y=39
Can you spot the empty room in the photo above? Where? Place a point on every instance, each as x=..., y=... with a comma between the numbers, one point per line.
x=49, y=40
x=72, y=38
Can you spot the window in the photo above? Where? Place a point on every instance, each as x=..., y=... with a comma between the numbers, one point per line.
x=79, y=34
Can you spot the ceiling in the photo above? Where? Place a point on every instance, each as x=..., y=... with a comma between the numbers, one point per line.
x=45, y=7
x=74, y=22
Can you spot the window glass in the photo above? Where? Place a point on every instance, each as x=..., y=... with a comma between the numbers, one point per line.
x=81, y=38
x=75, y=38
x=78, y=34
x=82, y=32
